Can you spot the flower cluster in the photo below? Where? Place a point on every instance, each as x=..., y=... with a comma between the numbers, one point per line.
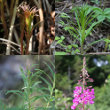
x=81, y=96
x=27, y=10
x=27, y=13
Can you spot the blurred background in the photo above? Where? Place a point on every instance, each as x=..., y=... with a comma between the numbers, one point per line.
x=68, y=70
x=11, y=79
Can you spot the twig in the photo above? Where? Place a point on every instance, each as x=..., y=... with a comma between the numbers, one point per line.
x=11, y=28
x=4, y=40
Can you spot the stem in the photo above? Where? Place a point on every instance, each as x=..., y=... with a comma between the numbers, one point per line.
x=83, y=74
x=51, y=92
x=81, y=48
x=41, y=28
x=106, y=44
x=11, y=9
x=8, y=50
x=21, y=36
x=27, y=46
x=28, y=90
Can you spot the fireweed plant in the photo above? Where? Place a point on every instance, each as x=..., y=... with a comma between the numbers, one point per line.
x=34, y=90
x=83, y=95
x=80, y=25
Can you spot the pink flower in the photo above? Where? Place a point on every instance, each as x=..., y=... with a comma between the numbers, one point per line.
x=81, y=96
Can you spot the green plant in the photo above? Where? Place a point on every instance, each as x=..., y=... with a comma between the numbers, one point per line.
x=97, y=2
x=85, y=21
x=37, y=86
x=103, y=14
x=68, y=48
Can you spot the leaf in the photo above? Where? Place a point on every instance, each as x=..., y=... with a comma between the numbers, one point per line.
x=62, y=37
x=76, y=51
x=107, y=11
x=91, y=27
x=59, y=41
x=34, y=98
x=47, y=82
x=57, y=38
x=107, y=40
x=36, y=83
x=60, y=53
x=101, y=18
x=69, y=46
x=94, y=43
x=17, y=92
x=52, y=72
x=108, y=17
x=64, y=15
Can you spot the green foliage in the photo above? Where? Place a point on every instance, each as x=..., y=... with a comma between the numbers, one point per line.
x=103, y=14
x=85, y=17
x=97, y=2
x=68, y=48
x=62, y=102
x=102, y=94
x=37, y=86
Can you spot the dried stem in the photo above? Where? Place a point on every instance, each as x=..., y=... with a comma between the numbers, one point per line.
x=41, y=28
x=15, y=32
x=11, y=9
x=22, y=36
x=4, y=40
x=11, y=28
x=48, y=6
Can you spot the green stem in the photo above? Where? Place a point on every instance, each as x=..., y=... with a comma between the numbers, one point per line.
x=82, y=48
x=51, y=93
x=28, y=90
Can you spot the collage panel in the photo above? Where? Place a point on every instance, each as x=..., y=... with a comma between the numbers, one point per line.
x=27, y=82
x=27, y=27
x=82, y=83
x=82, y=27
